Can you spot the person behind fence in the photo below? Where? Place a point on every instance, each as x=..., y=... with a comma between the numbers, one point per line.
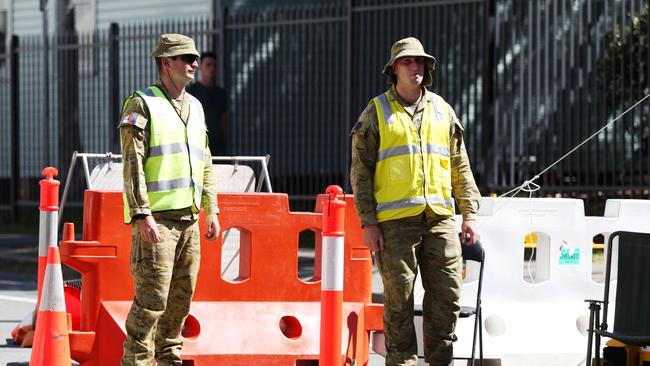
x=408, y=158
x=215, y=104
x=167, y=168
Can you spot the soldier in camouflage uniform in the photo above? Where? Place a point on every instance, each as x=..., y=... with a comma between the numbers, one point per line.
x=166, y=179
x=408, y=157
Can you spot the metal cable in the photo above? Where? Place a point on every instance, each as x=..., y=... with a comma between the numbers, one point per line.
x=530, y=186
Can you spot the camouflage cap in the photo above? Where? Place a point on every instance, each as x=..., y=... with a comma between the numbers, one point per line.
x=170, y=45
x=410, y=47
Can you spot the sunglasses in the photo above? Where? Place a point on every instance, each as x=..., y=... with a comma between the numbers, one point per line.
x=190, y=59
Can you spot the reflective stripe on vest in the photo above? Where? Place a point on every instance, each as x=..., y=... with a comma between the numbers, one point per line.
x=168, y=185
x=413, y=168
x=174, y=165
x=412, y=149
x=411, y=202
x=385, y=107
x=175, y=149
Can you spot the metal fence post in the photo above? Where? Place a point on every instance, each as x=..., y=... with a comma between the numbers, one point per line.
x=221, y=52
x=488, y=138
x=47, y=132
x=113, y=85
x=215, y=27
x=67, y=56
x=15, y=126
x=348, y=100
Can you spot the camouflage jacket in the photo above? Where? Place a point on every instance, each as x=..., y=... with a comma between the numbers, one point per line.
x=365, y=144
x=134, y=136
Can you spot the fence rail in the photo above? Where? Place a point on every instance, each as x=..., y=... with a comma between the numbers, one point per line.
x=523, y=77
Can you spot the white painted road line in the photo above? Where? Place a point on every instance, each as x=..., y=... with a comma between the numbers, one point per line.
x=19, y=299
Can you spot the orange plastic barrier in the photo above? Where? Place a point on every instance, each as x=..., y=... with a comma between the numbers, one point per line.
x=268, y=316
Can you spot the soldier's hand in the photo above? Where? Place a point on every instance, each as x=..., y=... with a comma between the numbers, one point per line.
x=469, y=234
x=149, y=229
x=373, y=238
x=212, y=222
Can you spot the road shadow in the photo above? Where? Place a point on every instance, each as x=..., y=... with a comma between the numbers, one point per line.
x=13, y=282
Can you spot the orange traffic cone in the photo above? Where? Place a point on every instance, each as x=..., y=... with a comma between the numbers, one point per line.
x=51, y=343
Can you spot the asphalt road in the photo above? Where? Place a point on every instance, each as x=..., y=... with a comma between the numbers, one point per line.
x=17, y=301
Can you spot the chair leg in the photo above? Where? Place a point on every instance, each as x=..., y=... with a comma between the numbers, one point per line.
x=597, y=344
x=480, y=335
x=590, y=333
x=474, y=338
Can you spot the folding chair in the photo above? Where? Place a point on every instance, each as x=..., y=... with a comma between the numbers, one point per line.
x=475, y=253
x=631, y=315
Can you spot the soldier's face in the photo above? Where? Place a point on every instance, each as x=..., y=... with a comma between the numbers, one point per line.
x=409, y=70
x=182, y=68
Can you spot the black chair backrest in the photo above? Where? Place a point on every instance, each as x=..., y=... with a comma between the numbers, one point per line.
x=633, y=283
x=473, y=252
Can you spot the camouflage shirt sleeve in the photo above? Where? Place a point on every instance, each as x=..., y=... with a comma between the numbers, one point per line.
x=463, y=185
x=365, y=143
x=209, y=195
x=134, y=137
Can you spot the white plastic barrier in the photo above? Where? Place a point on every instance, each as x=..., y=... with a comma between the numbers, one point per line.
x=229, y=177
x=543, y=322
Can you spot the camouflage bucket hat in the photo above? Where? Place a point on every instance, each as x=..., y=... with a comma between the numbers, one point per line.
x=170, y=45
x=410, y=47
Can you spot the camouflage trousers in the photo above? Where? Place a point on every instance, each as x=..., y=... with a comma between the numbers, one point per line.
x=430, y=243
x=164, y=275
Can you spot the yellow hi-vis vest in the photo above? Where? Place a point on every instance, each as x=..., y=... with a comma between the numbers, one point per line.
x=174, y=167
x=413, y=168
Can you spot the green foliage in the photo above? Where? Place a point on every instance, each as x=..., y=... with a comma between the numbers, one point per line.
x=624, y=73
x=623, y=69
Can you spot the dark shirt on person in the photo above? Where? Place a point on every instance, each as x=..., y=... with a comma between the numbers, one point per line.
x=215, y=105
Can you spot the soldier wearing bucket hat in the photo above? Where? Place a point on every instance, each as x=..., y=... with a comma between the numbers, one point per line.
x=409, y=163
x=410, y=47
x=164, y=187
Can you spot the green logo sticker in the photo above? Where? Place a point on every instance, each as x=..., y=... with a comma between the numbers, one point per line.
x=569, y=257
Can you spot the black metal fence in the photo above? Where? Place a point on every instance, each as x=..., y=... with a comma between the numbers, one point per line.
x=521, y=76
x=552, y=62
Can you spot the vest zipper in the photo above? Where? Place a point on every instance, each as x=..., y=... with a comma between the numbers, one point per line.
x=189, y=155
x=424, y=172
x=187, y=140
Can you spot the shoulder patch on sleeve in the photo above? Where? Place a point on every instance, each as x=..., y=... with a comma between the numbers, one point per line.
x=459, y=125
x=134, y=120
x=361, y=126
x=356, y=127
x=367, y=121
